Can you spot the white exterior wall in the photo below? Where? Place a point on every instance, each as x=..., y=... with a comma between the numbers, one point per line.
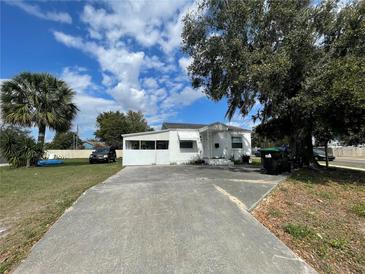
x=237, y=153
x=177, y=155
x=183, y=155
x=146, y=156
x=224, y=138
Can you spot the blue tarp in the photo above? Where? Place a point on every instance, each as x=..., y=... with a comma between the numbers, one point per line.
x=52, y=162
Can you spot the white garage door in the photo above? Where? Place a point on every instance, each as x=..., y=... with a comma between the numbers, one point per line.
x=146, y=152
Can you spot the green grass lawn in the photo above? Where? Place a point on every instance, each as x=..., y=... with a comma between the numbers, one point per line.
x=32, y=199
x=256, y=161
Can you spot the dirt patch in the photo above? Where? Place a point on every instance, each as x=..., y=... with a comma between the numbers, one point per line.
x=318, y=215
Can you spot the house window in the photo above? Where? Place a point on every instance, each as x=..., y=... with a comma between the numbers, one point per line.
x=147, y=145
x=162, y=144
x=216, y=145
x=186, y=144
x=133, y=145
x=236, y=142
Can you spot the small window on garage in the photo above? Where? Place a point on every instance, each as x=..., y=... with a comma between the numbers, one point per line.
x=162, y=144
x=133, y=145
x=216, y=145
x=147, y=145
x=186, y=144
x=236, y=142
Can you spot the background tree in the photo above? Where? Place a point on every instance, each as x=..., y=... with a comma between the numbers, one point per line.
x=18, y=148
x=271, y=52
x=40, y=100
x=111, y=125
x=353, y=139
x=65, y=140
x=336, y=87
x=262, y=141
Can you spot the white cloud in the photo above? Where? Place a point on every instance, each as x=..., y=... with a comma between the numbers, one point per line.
x=172, y=33
x=34, y=10
x=124, y=65
x=153, y=63
x=107, y=80
x=89, y=105
x=68, y=40
x=77, y=81
x=150, y=83
x=184, y=62
x=142, y=20
x=133, y=42
x=184, y=98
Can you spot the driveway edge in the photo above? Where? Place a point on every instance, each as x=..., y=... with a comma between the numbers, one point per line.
x=266, y=194
x=67, y=210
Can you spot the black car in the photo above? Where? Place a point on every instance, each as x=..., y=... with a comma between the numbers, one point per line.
x=103, y=154
x=320, y=155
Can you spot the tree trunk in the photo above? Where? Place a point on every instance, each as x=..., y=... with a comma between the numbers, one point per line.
x=308, y=159
x=41, y=134
x=293, y=146
x=326, y=152
x=28, y=163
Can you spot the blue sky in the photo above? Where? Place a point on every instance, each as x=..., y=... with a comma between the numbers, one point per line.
x=118, y=55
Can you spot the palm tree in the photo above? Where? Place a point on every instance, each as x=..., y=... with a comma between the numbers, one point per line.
x=40, y=100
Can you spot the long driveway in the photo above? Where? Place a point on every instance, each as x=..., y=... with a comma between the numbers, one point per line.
x=172, y=219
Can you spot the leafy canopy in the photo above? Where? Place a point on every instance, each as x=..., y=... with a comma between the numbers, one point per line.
x=111, y=125
x=336, y=86
x=38, y=99
x=65, y=140
x=18, y=148
x=300, y=62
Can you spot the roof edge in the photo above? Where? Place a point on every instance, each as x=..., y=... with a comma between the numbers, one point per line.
x=145, y=132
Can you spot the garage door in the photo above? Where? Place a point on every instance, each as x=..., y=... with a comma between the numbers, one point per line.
x=146, y=152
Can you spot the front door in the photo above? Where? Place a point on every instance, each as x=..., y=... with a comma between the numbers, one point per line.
x=218, y=144
x=205, y=143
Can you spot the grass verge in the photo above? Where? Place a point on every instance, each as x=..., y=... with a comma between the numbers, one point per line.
x=256, y=161
x=320, y=215
x=32, y=199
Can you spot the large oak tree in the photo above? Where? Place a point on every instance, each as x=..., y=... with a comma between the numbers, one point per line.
x=285, y=55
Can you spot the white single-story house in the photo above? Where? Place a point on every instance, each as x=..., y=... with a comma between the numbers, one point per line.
x=178, y=143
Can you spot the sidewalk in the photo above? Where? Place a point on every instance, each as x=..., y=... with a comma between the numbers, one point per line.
x=340, y=166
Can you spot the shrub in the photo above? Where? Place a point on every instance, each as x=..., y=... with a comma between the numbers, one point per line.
x=297, y=231
x=18, y=148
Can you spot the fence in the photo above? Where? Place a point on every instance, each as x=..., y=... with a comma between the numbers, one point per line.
x=76, y=153
x=348, y=151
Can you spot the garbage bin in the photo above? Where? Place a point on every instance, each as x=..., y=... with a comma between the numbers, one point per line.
x=275, y=160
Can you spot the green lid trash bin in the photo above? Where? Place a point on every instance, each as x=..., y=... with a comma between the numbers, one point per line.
x=275, y=160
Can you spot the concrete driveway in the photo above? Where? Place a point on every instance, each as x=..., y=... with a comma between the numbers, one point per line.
x=171, y=219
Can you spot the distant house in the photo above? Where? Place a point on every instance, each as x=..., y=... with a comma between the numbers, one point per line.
x=93, y=144
x=179, y=143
